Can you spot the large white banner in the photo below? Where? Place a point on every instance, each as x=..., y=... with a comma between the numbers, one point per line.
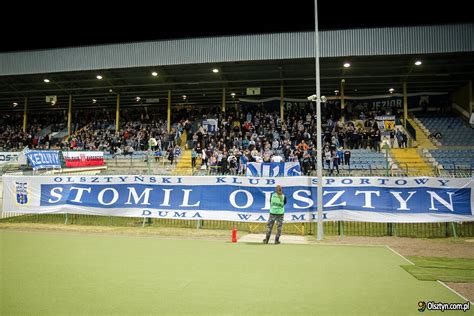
x=369, y=199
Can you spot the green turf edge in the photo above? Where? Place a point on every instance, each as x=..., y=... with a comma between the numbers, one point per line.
x=443, y=262
x=442, y=274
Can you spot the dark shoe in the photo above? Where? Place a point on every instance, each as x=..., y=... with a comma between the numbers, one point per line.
x=277, y=242
x=265, y=241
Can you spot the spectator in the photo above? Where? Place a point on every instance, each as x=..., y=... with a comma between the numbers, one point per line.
x=302, y=146
x=194, y=155
x=171, y=154
x=152, y=143
x=277, y=158
x=117, y=152
x=392, y=138
x=335, y=162
x=128, y=150
x=404, y=140
x=399, y=136
x=232, y=163
x=306, y=164
x=327, y=157
x=340, y=154
x=347, y=158
x=204, y=159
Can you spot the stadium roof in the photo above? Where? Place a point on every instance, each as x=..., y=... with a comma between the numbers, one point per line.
x=380, y=59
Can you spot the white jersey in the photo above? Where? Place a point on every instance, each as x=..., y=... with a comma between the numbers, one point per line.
x=277, y=159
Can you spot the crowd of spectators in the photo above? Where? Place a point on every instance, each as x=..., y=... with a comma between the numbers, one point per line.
x=260, y=136
x=251, y=135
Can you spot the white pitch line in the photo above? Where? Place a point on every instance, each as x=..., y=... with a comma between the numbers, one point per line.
x=452, y=290
x=441, y=282
x=399, y=254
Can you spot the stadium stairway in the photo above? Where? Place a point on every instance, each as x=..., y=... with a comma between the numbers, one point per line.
x=410, y=159
x=421, y=137
x=184, y=165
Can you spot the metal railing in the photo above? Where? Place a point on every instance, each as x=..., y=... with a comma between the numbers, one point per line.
x=423, y=230
x=411, y=130
x=393, y=171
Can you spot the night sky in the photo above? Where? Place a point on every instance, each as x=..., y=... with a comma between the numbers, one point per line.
x=85, y=23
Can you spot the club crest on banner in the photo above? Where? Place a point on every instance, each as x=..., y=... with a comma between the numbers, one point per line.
x=21, y=192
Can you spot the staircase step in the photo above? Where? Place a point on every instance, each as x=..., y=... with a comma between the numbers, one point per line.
x=421, y=137
x=409, y=158
x=184, y=164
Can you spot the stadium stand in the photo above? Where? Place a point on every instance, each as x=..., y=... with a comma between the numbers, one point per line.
x=448, y=130
x=253, y=135
x=449, y=159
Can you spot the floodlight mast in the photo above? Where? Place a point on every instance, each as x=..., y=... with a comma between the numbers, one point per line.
x=319, y=153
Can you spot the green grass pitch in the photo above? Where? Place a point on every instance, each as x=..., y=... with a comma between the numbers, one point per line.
x=48, y=273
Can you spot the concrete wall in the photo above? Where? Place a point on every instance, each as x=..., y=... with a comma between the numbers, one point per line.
x=462, y=100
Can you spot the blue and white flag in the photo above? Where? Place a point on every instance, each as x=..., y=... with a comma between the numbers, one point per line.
x=273, y=169
x=43, y=159
x=210, y=125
